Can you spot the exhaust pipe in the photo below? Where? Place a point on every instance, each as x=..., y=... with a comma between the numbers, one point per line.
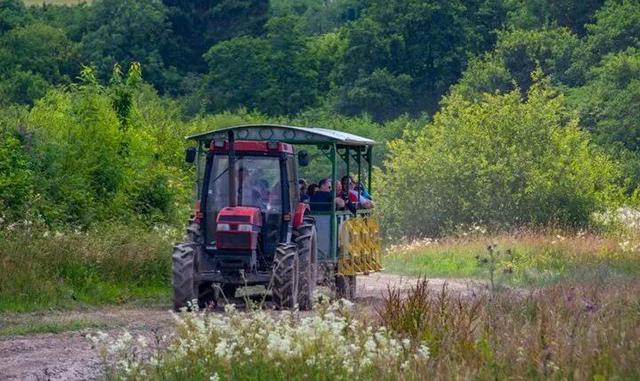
x=233, y=189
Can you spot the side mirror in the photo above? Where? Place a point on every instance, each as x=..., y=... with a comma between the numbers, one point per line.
x=190, y=155
x=303, y=158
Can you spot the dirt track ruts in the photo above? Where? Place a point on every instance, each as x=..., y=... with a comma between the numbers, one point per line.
x=69, y=355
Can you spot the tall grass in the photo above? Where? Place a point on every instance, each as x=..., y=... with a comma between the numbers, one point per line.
x=43, y=268
x=522, y=258
x=581, y=331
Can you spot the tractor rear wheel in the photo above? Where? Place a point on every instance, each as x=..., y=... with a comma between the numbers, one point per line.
x=285, y=276
x=184, y=258
x=305, y=237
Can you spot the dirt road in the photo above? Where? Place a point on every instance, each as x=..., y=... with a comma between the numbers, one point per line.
x=69, y=356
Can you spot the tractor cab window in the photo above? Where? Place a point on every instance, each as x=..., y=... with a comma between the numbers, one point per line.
x=257, y=183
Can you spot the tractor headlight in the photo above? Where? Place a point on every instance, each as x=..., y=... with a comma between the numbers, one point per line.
x=223, y=227
x=245, y=227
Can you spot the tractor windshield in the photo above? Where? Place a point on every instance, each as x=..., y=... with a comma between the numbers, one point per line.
x=258, y=183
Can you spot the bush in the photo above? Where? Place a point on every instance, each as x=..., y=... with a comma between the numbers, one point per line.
x=499, y=162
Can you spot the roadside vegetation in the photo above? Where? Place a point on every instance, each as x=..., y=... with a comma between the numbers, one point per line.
x=44, y=268
x=576, y=330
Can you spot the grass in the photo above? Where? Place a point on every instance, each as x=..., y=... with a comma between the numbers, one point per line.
x=44, y=269
x=32, y=326
x=572, y=330
x=522, y=259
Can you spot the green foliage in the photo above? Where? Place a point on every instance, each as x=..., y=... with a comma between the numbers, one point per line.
x=517, y=54
x=572, y=14
x=126, y=31
x=13, y=14
x=617, y=27
x=407, y=52
x=499, y=162
x=16, y=177
x=609, y=103
x=274, y=74
x=34, y=56
x=197, y=25
x=92, y=153
x=44, y=268
x=320, y=17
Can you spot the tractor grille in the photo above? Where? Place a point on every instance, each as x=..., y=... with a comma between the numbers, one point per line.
x=232, y=218
x=236, y=240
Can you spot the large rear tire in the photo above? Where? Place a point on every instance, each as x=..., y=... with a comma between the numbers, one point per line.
x=285, y=276
x=305, y=237
x=184, y=264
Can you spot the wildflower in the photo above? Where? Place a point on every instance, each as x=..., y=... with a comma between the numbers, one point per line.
x=214, y=377
x=423, y=351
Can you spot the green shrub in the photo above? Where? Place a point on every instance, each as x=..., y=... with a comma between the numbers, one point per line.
x=500, y=162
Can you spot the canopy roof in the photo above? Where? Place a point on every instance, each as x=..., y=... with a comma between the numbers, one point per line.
x=287, y=134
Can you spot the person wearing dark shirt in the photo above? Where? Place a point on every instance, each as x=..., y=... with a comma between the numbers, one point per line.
x=322, y=200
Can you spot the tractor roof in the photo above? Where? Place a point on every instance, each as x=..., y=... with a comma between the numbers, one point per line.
x=287, y=134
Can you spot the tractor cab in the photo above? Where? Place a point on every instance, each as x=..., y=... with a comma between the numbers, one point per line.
x=244, y=236
x=250, y=227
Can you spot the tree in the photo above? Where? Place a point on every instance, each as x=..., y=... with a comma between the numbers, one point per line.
x=125, y=31
x=499, y=162
x=275, y=74
x=536, y=14
x=426, y=43
x=617, y=28
x=197, y=25
x=34, y=57
x=13, y=14
x=516, y=55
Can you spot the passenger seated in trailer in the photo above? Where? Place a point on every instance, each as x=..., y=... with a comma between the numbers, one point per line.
x=311, y=189
x=355, y=197
x=304, y=196
x=322, y=201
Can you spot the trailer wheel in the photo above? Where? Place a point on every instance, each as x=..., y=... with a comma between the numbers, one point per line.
x=305, y=237
x=346, y=287
x=285, y=276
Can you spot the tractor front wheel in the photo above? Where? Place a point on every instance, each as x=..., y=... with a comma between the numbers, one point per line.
x=184, y=258
x=184, y=290
x=305, y=237
x=285, y=276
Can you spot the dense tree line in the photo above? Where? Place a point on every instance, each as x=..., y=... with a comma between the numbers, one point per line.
x=369, y=66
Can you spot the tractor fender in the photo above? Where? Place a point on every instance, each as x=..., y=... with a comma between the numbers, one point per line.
x=298, y=216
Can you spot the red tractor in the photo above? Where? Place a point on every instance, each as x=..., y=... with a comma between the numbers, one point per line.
x=249, y=226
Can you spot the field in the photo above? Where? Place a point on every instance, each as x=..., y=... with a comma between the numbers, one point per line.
x=525, y=305
x=520, y=259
